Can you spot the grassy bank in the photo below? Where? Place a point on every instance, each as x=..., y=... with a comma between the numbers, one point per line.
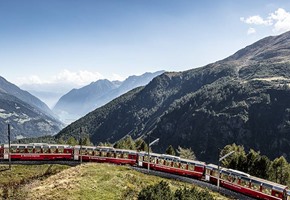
x=93, y=181
x=12, y=180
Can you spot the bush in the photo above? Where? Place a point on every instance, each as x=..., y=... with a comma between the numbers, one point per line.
x=159, y=191
x=162, y=191
x=192, y=194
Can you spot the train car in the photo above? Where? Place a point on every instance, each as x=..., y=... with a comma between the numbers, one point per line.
x=105, y=155
x=247, y=184
x=172, y=164
x=37, y=151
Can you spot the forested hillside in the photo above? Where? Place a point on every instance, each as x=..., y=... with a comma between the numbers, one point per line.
x=243, y=99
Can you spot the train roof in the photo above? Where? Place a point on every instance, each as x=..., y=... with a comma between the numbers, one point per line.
x=174, y=158
x=39, y=144
x=195, y=162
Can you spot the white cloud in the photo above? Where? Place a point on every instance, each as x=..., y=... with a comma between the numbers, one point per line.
x=257, y=20
x=251, y=31
x=33, y=79
x=279, y=20
x=82, y=77
x=79, y=78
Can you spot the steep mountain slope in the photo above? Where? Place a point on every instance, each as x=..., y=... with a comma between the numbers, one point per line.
x=79, y=102
x=12, y=89
x=28, y=116
x=243, y=99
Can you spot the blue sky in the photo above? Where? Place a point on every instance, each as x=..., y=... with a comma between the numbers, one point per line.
x=56, y=41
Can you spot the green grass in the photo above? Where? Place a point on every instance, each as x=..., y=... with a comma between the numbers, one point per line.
x=11, y=180
x=94, y=181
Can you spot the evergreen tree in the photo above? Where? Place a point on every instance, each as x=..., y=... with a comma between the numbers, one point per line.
x=252, y=158
x=279, y=171
x=237, y=160
x=72, y=141
x=105, y=144
x=262, y=166
x=125, y=143
x=86, y=141
x=141, y=145
x=61, y=141
x=170, y=150
x=186, y=153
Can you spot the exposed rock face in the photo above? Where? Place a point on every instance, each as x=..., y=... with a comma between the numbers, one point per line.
x=244, y=98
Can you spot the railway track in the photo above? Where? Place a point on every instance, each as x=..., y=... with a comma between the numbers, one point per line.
x=202, y=184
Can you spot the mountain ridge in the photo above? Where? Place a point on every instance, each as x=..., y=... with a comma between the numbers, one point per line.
x=241, y=99
x=79, y=102
x=27, y=115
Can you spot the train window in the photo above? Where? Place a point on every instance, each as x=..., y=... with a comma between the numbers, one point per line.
x=244, y=183
x=83, y=151
x=225, y=176
x=146, y=158
x=119, y=155
x=168, y=163
x=255, y=186
x=13, y=149
x=140, y=158
x=52, y=149
x=183, y=165
x=97, y=152
x=22, y=149
x=111, y=154
x=191, y=167
x=176, y=164
x=266, y=189
x=215, y=173
x=45, y=149
x=125, y=155
x=207, y=171
x=29, y=149
x=235, y=179
x=90, y=151
x=37, y=149
x=60, y=149
x=103, y=154
x=160, y=161
x=153, y=160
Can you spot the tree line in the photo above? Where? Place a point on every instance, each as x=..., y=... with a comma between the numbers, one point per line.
x=255, y=164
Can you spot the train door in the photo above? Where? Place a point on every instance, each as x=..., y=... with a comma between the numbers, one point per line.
x=207, y=174
x=140, y=160
x=5, y=151
x=76, y=152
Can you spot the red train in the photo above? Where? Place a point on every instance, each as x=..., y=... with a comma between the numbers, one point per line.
x=231, y=179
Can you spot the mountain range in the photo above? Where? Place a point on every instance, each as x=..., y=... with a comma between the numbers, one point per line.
x=243, y=99
x=27, y=115
x=79, y=102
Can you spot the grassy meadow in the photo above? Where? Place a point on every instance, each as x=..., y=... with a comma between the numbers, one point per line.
x=87, y=181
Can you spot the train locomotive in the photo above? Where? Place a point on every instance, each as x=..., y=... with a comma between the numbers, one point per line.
x=231, y=179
